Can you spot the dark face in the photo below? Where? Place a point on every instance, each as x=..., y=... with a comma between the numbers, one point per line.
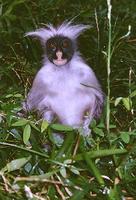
x=59, y=50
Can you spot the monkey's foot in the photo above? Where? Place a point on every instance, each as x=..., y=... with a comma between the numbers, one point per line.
x=85, y=131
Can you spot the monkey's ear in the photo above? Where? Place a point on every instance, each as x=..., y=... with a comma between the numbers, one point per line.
x=43, y=34
x=39, y=34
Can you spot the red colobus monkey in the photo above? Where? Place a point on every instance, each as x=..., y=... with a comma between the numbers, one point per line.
x=65, y=86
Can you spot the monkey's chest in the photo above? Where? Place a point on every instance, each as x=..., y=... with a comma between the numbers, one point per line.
x=68, y=100
x=67, y=90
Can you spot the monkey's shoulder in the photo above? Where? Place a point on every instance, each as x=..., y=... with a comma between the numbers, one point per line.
x=44, y=75
x=83, y=70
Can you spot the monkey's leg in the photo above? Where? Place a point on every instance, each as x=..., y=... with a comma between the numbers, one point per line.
x=48, y=116
x=89, y=117
x=86, y=131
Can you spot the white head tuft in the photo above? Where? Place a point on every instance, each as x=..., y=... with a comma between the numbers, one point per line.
x=66, y=29
x=70, y=30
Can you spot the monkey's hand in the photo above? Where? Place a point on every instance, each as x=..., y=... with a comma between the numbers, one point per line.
x=23, y=111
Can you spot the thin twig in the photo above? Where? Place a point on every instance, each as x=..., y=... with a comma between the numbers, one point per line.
x=76, y=146
x=58, y=189
x=98, y=30
x=5, y=182
x=24, y=149
x=60, y=192
x=34, y=179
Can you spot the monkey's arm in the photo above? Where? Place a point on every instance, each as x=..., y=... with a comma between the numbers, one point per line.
x=37, y=99
x=35, y=95
x=93, y=89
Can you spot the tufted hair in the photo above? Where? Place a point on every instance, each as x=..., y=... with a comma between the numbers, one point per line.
x=66, y=29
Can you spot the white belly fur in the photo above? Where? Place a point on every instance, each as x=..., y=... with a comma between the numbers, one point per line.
x=69, y=108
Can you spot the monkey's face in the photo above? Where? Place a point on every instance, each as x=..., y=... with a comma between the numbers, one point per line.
x=59, y=50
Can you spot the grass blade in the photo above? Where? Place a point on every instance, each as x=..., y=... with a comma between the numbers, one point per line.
x=100, y=153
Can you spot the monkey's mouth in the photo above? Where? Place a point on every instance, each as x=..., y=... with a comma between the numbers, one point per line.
x=60, y=62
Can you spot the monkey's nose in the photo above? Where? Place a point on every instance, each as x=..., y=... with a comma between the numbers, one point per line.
x=59, y=55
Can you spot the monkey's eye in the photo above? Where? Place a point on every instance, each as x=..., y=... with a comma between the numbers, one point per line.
x=52, y=46
x=65, y=44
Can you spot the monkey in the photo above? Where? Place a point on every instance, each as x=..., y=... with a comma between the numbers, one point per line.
x=65, y=87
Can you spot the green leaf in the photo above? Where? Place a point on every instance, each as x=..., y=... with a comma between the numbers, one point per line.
x=93, y=123
x=117, y=101
x=125, y=137
x=133, y=94
x=39, y=177
x=60, y=127
x=18, y=95
x=93, y=169
x=68, y=161
x=132, y=133
x=67, y=145
x=115, y=193
x=20, y=122
x=8, y=96
x=101, y=125
x=34, y=126
x=15, y=164
x=47, y=175
x=127, y=103
x=26, y=133
x=98, y=131
x=28, y=167
x=74, y=170
x=101, y=153
x=78, y=195
x=44, y=126
x=15, y=134
x=112, y=126
x=63, y=172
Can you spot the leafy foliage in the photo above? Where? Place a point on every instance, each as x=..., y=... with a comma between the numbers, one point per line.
x=37, y=163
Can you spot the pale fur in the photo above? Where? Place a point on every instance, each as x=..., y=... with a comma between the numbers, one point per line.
x=70, y=92
x=66, y=29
